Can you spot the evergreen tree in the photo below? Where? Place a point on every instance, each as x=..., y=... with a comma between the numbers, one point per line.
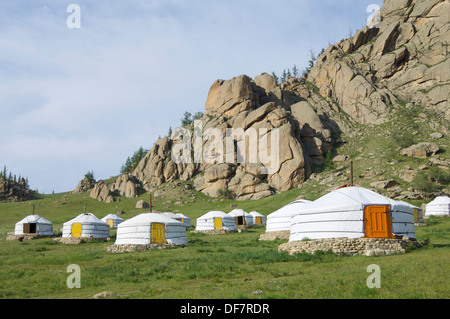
x=186, y=120
x=295, y=71
x=275, y=77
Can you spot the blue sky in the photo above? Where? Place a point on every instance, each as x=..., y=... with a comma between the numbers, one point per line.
x=74, y=100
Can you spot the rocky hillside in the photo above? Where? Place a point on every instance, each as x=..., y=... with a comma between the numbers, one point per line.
x=384, y=80
x=15, y=191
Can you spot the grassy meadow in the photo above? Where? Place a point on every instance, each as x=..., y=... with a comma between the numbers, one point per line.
x=234, y=265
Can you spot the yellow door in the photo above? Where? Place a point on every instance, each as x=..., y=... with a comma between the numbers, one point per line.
x=157, y=234
x=110, y=222
x=76, y=230
x=416, y=215
x=258, y=220
x=377, y=221
x=218, y=223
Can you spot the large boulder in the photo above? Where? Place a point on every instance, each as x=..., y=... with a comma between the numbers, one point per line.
x=421, y=150
x=101, y=192
x=125, y=185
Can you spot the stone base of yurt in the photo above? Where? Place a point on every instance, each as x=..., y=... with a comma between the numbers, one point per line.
x=420, y=224
x=78, y=240
x=214, y=232
x=138, y=248
x=11, y=236
x=350, y=246
x=273, y=235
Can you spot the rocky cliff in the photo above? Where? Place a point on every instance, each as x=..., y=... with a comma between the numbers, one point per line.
x=362, y=80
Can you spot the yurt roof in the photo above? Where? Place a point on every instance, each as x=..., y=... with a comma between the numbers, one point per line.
x=440, y=200
x=254, y=213
x=86, y=218
x=112, y=216
x=349, y=198
x=34, y=219
x=290, y=208
x=215, y=213
x=171, y=215
x=149, y=218
x=237, y=212
x=182, y=216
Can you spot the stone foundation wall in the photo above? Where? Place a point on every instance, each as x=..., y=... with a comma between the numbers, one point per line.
x=275, y=235
x=138, y=248
x=214, y=232
x=11, y=236
x=350, y=246
x=78, y=240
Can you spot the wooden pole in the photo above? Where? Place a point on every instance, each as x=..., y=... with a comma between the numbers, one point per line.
x=85, y=208
x=351, y=173
x=150, y=202
x=33, y=209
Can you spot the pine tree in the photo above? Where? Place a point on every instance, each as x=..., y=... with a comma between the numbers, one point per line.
x=295, y=71
x=275, y=77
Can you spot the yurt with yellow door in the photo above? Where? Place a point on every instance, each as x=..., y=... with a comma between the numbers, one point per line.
x=216, y=221
x=184, y=219
x=151, y=229
x=85, y=225
x=353, y=212
x=258, y=218
x=112, y=220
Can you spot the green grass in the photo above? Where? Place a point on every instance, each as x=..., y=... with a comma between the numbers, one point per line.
x=234, y=265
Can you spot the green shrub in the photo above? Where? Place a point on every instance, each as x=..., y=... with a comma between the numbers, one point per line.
x=422, y=182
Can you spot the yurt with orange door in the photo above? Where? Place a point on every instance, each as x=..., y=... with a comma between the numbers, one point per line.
x=353, y=212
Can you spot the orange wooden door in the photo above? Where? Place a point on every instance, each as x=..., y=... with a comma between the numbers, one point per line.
x=377, y=221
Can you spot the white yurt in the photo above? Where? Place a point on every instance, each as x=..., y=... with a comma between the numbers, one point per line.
x=258, y=218
x=353, y=212
x=86, y=225
x=34, y=224
x=151, y=228
x=440, y=206
x=112, y=220
x=184, y=219
x=280, y=220
x=216, y=220
x=241, y=217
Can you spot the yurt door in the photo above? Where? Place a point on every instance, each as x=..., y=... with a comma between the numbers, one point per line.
x=76, y=230
x=416, y=215
x=110, y=222
x=258, y=221
x=377, y=221
x=158, y=233
x=29, y=228
x=218, y=223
